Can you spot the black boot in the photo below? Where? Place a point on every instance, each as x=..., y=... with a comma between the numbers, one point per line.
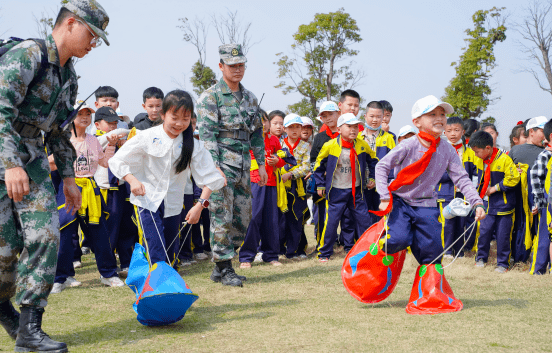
x=9, y=318
x=223, y=272
x=31, y=338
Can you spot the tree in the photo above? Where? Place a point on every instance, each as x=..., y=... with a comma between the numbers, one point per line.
x=469, y=91
x=536, y=32
x=195, y=33
x=313, y=69
x=231, y=30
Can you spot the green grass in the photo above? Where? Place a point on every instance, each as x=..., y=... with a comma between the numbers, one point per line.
x=303, y=306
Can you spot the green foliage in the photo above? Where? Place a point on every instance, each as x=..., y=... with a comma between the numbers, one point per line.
x=202, y=77
x=312, y=70
x=469, y=91
x=489, y=119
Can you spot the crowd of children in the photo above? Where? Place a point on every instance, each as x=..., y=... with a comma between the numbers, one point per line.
x=149, y=182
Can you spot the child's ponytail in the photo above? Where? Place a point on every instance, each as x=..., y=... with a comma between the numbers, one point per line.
x=175, y=101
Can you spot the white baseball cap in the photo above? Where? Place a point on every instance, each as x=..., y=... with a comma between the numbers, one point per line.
x=348, y=119
x=328, y=106
x=537, y=122
x=307, y=121
x=84, y=106
x=291, y=119
x=427, y=104
x=405, y=130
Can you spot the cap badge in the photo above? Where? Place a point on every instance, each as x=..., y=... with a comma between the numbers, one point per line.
x=235, y=52
x=104, y=25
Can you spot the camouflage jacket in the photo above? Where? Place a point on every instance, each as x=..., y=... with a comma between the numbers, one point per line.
x=219, y=110
x=45, y=106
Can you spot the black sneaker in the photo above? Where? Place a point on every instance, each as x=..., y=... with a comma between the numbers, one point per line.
x=216, y=276
x=230, y=278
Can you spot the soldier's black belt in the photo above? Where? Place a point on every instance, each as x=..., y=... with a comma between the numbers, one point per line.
x=26, y=130
x=235, y=134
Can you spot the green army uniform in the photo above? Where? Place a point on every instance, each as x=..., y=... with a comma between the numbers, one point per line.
x=30, y=228
x=229, y=128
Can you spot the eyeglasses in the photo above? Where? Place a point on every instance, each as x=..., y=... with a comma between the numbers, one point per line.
x=238, y=67
x=96, y=41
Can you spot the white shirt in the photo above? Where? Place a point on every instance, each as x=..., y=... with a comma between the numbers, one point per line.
x=150, y=156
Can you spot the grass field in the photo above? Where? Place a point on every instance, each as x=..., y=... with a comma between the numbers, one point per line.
x=303, y=306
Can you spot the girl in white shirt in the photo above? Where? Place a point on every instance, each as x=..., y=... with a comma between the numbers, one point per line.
x=157, y=164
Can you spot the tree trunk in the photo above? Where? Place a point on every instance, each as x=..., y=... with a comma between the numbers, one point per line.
x=329, y=78
x=547, y=69
x=313, y=103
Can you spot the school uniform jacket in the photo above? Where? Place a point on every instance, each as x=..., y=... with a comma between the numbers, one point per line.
x=504, y=177
x=326, y=164
x=446, y=191
x=150, y=156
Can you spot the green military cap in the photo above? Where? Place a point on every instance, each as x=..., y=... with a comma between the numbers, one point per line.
x=93, y=13
x=232, y=54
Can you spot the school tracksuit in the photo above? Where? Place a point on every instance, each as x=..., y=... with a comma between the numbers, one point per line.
x=185, y=251
x=158, y=211
x=338, y=200
x=291, y=233
x=500, y=208
x=446, y=192
x=201, y=242
x=123, y=232
x=264, y=227
x=93, y=224
x=385, y=142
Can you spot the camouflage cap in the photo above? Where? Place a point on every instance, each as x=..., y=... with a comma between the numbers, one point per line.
x=93, y=13
x=232, y=54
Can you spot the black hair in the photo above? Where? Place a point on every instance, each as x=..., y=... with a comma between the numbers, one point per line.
x=153, y=92
x=486, y=125
x=194, y=116
x=349, y=93
x=547, y=130
x=175, y=101
x=106, y=92
x=374, y=105
x=276, y=113
x=455, y=120
x=386, y=106
x=470, y=126
x=481, y=139
x=63, y=14
x=516, y=132
x=264, y=115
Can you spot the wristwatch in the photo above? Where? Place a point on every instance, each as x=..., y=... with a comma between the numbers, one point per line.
x=203, y=202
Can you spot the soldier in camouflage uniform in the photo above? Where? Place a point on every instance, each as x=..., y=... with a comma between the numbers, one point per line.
x=29, y=221
x=230, y=126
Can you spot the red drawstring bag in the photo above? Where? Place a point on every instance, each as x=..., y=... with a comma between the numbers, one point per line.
x=368, y=274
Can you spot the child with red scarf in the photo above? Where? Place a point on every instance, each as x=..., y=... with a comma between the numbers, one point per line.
x=497, y=178
x=264, y=227
x=295, y=187
x=410, y=202
x=343, y=167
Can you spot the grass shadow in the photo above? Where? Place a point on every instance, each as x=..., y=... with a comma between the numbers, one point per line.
x=387, y=304
x=130, y=331
x=304, y=272
x=474, y=303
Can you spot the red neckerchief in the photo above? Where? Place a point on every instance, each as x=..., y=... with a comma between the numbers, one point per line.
x=458, y=146
x=353, y=158
x=408, y=174
x=268, y=153
x=331, y=134
x=487, y=176
x=291, y=149
x=467, y=141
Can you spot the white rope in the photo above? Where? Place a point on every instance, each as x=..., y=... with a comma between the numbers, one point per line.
x=460, y=237
x=180, y=230
x=184, y=240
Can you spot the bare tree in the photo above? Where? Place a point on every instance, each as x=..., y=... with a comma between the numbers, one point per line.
x=44, y=24
x=230, y=29
x=195, y=33
x=536, y=34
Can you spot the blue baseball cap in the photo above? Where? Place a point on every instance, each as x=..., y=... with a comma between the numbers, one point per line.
x=291, y=119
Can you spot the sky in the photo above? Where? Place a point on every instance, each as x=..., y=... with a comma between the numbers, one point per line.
x=406, y=51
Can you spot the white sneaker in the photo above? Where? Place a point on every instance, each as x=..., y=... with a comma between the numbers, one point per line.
x=77, y=264
x=302, y=256
x=201, y=256
x=72, y=282
x=58, y=287
x=85, y=250
x=258, y=257
x=112, y=282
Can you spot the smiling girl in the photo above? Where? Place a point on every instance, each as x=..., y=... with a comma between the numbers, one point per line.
x=157, y=164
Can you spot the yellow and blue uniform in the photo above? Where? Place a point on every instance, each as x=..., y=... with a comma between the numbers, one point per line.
x=339, y=200
x=446, y=192
x=524, y=223
x=500, y=208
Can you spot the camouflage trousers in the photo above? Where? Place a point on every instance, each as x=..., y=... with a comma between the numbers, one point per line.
x=230, y=209
x=29, y=242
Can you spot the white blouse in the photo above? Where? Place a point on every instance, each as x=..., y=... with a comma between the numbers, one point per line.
x=150, y=156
